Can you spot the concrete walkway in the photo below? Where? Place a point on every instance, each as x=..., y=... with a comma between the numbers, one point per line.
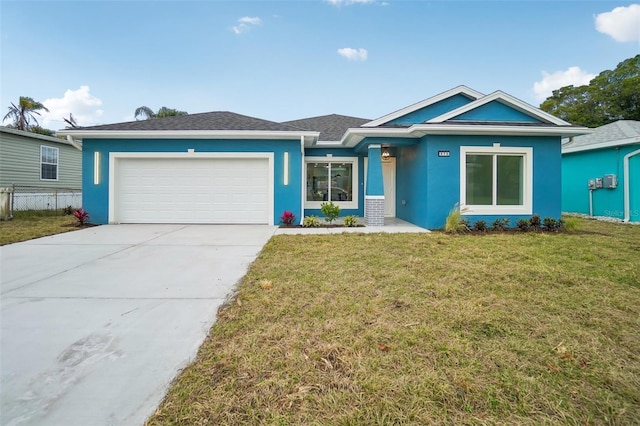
x=392, y=225
x=96, y=323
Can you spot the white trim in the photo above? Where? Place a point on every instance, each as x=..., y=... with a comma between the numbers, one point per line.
x=507, y=99
x=353, y=204
x=527, y=197
x=374, y=146
x=374, y=197
x=188, y=134
x=609, y=144
x=460, y=90
x=115, y=156
x=356, y=135
x=57, y=163
x=627, y=186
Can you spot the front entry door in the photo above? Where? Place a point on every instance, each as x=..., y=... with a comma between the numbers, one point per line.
x=389, y=178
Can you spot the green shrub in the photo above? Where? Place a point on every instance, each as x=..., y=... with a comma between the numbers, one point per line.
x=350, y=221
x=500, y=224
x=480, y=226
x=523, y=225
x=550, y=224
x=68, y=211
x=535, y=223
x=454, y=222
x=330, y=211
x=311, y=222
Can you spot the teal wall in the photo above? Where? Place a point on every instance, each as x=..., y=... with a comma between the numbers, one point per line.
x=496, y=111
x=431, y=111
x=430, y=185
x=95, y=198
x=579, y=167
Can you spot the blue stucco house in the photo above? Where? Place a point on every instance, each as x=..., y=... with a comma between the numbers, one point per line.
x=494, y=155
x=601, y=172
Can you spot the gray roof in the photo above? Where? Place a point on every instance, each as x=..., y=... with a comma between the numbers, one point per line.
x=622, y=132
x=331, y=127
x=32, y=135
x=219, y=120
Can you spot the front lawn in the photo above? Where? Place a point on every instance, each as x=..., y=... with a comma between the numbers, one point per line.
x=27, y=225
x=372, y=329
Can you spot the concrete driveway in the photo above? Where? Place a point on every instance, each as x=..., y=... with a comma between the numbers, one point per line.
x=96, y=323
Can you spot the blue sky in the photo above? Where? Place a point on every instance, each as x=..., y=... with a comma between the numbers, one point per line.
x=284, y=60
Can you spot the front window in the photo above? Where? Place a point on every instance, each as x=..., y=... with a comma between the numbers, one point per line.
x=48, y=163
x=331, y=179
x=496, y=180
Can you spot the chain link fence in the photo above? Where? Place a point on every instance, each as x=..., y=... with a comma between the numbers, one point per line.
x=22, y=198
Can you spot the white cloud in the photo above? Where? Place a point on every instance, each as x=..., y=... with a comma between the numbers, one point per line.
x=245, y=24
x=572, y=76
x=622, y=23
x=339, y=3
x=83, y=105
x=353, y=54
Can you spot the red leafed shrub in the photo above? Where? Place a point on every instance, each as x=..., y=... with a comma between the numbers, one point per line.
x=82, y=216
x=288, y=217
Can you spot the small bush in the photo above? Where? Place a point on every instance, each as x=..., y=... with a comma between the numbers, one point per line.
x=288, y=217
x=330, y=211
x=550, y=224
x=68, y=211
x=570, y=223
x=82, y=216
x=500, y=224
x=480, y=226
x=523, y=225
x=535, y=223
x=350, y=221
x=311, y=222
x=454, y=222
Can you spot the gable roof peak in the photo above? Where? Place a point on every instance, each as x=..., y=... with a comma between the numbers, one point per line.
x=458, y=90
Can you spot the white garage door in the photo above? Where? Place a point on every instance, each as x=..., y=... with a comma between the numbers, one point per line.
x=192, y=190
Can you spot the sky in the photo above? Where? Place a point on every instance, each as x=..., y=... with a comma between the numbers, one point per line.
x=286, y=60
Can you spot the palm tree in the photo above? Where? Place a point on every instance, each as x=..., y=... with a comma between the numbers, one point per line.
x=23, y=113
x=71, y=121
x=147, y=113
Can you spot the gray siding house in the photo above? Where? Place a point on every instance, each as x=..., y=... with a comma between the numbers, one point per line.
x=43, y=172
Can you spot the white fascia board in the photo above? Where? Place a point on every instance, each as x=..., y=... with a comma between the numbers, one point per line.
x=460, y=90
x=609, y=144
x=507, y=99
x=188, y=134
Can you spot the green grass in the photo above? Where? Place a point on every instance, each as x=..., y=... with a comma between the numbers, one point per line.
x=27, y=225
x=413, y=329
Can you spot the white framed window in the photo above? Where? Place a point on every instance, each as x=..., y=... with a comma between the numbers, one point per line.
x=48, y=163
x=496, y=180
x=331, y=179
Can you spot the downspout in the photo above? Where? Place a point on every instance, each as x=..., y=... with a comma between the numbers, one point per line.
x=627, y=186
x=303, y=179
x=74, y=143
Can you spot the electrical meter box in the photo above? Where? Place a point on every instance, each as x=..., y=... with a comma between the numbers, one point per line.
x=609, y=181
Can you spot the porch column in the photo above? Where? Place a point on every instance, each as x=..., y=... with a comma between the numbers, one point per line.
x=374, y=192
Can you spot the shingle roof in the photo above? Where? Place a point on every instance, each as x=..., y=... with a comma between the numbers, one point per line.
x=219, y=120
x=624, y=131
x=331, y=127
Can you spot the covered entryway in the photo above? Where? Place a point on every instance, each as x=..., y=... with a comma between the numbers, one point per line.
x=204, y=188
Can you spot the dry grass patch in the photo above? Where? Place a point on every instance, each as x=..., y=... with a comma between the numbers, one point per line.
x=366, y=329
x=28, y=225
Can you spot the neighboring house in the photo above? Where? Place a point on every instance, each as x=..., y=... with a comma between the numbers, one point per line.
x=493, y=154
x=45, y=171
x=601, y=172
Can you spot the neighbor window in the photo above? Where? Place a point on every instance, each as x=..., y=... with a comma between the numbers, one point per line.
x=48, y=163
x=331, y=179
x=496, y=180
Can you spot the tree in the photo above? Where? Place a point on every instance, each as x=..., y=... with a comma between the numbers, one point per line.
x=23, y=113
x=147, y=113
x=71, y=121
x=611, y=96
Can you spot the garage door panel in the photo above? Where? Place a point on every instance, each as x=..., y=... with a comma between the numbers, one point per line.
x=206, y=190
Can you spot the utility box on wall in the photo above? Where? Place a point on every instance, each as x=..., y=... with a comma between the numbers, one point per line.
x=609, y=181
